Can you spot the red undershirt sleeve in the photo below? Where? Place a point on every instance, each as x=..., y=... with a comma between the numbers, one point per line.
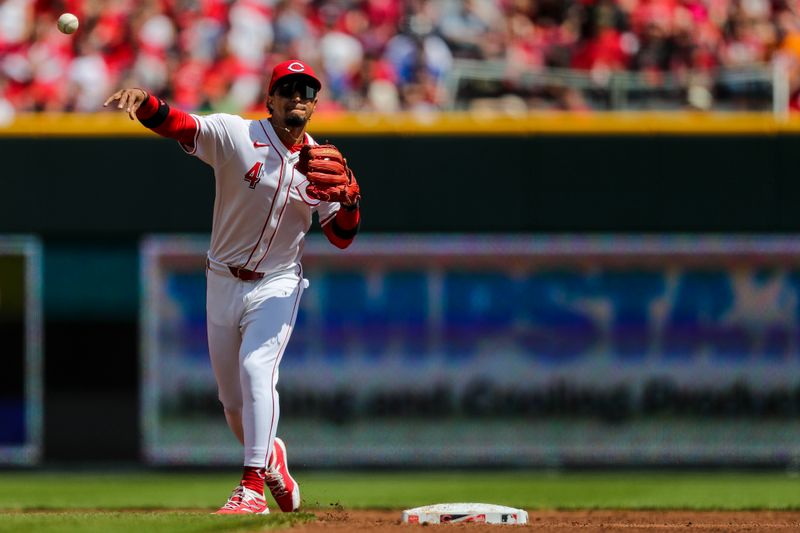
x=343, y=228
x=155, y=114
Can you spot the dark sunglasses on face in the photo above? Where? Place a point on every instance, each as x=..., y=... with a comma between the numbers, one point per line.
x=288, y=88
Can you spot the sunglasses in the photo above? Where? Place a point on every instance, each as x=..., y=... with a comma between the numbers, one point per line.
x=288, y=88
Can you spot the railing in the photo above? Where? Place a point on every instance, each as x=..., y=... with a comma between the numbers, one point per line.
x=762, y=87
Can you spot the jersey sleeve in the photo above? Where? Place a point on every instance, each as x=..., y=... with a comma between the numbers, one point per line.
x=215, y=138
x=326, y=211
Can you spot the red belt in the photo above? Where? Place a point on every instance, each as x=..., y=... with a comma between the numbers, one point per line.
x=244, y=274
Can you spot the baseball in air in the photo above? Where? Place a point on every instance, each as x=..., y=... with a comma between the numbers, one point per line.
x=67, y=23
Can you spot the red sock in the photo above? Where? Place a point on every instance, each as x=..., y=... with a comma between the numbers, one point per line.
x=253, y=478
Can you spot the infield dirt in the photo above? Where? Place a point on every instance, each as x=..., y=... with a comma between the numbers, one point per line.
x=564, y=521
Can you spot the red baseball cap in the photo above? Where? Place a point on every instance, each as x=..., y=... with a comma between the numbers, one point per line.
x=292, y=67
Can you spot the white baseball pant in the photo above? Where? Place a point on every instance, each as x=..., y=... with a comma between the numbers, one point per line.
x=249, y=325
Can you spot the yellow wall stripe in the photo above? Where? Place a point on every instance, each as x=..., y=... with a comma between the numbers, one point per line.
x=110, y=124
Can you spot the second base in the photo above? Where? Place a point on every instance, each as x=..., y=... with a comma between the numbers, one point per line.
x=453, y=513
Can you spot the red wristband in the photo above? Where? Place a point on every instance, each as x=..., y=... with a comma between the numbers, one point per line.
x=148, y=107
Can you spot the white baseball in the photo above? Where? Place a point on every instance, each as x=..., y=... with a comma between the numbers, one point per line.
x=67, y=23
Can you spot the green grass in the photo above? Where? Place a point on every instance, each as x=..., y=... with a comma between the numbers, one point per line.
x=537, y=490
x=50, y=501
x=140, y=522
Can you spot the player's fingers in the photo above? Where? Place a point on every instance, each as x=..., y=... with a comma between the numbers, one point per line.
x=129, y=106
x=113, y=97
x=134, y=106
x=123, y=101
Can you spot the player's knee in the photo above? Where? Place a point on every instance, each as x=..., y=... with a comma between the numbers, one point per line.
x=256, y=363
x=250, y=367
x=232, y=413
x=231, y=405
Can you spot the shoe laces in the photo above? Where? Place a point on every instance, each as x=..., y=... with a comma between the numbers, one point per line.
x=274, y=480
x=240, y=495
x=235, y=499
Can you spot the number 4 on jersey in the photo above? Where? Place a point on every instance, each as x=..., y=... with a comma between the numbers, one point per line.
x=253, y=175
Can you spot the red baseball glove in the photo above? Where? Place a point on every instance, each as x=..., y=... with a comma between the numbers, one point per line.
x=329, y=177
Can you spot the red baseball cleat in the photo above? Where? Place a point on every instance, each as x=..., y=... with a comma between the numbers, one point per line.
x=281, y=484
x=244, y=501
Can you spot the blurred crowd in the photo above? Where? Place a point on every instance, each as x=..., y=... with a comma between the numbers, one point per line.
x=383, y=55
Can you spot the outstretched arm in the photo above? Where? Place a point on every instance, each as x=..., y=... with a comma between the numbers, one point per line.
x=155, y=114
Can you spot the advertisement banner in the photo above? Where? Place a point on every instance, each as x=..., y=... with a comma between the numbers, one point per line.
x=509, y=350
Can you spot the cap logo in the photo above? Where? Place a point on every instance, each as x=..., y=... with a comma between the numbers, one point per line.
x=296, y=67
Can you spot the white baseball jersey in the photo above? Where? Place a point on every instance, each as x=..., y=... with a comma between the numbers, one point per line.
x=261, y=209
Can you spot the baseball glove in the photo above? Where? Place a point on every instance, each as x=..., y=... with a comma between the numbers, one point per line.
x=329, y=177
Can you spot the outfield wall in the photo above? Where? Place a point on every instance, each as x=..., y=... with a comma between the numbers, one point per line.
x=90, y=187
x=104, y=177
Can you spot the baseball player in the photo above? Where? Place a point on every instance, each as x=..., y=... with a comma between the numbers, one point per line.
x=271, y=177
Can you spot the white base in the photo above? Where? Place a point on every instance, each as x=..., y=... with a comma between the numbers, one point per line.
x=454, y=513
